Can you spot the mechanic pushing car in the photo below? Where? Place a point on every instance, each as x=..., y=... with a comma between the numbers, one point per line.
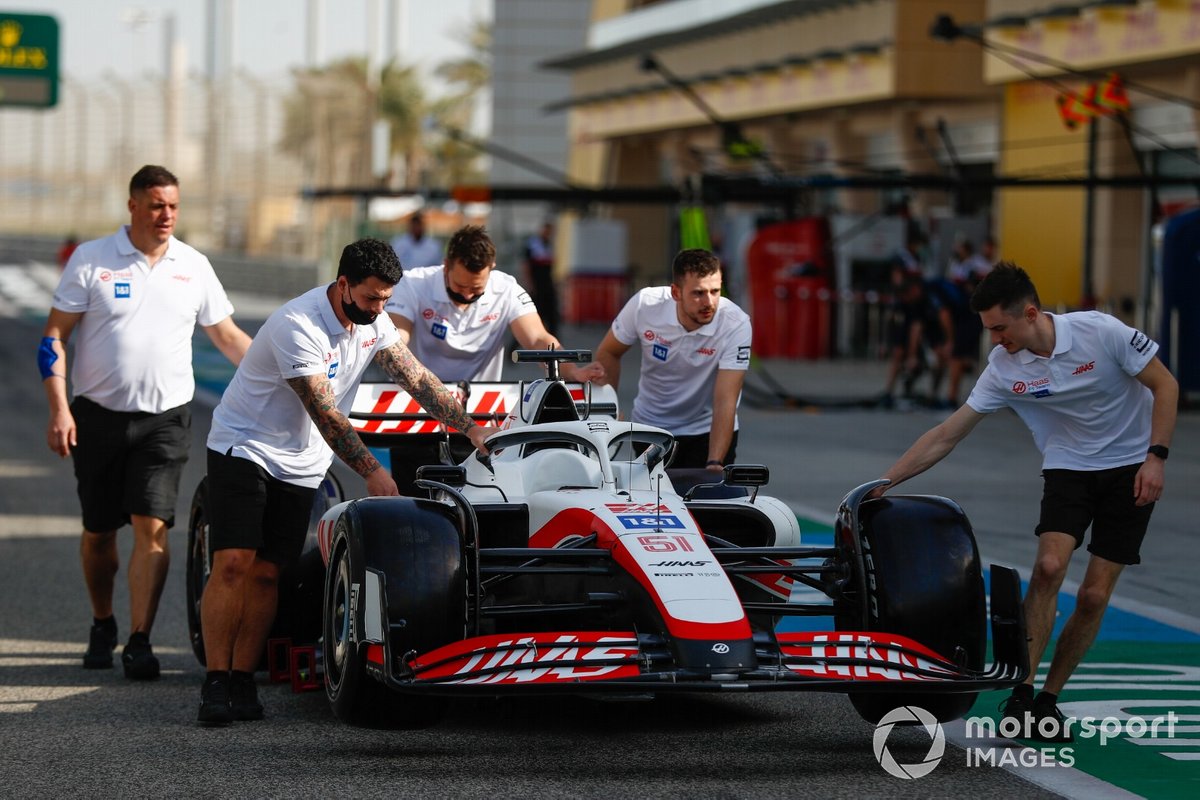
x=136, y=297
x=274, y=435
x=1102, y=409
x=455, y=317
x=695, y=353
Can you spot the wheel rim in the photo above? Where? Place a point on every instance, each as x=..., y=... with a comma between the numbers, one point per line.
x=201, y=569
x=338, y=635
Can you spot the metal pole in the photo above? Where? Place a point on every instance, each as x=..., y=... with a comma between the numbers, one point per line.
x=397, y=31
x=170, y=93
x=1089, y=295
x=211, y=132
x=314, y=39
x=82, y=178
x=39, y=173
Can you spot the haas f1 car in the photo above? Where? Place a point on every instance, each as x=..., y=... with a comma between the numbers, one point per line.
x=572, y=559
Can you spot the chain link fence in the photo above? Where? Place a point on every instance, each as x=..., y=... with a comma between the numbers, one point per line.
x=65, y=170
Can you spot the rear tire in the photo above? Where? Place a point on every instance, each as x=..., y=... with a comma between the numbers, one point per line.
x=199, y=565
x=923, y=580
x=426, y=595
x=300, y=584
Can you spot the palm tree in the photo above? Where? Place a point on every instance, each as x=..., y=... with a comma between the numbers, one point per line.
x=468, y=77
x=402, y=103
x=328, y=118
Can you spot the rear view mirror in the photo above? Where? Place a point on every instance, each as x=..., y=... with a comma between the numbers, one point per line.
x=747, y=475
x=451, y=475
x=654, y=454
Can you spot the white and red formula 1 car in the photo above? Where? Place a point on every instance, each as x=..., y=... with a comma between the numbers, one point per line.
x=569, y=561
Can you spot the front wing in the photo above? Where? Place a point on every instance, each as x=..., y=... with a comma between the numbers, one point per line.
x=625, y=661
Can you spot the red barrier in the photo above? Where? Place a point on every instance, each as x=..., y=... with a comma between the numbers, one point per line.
x=595, y=297
x=790, y=302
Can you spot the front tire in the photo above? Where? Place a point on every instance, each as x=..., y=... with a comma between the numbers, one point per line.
x=421, y=563
x=921, y=571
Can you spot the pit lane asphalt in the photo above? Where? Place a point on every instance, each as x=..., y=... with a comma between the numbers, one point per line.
x=65, y=731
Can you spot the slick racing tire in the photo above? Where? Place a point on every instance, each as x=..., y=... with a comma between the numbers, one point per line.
x=300, y=584
x=921, y=571
x=417, y=550
x=199, y=565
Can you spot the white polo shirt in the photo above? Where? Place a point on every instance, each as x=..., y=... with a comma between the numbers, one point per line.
x=133, y=345
x=260, y=417
x=458, y=344
x=1084, y=406
x=679, y=367
x=412, y=253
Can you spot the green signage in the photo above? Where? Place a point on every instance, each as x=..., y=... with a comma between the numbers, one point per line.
x=28, y=60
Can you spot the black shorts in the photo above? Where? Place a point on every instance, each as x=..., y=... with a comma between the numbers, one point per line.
x=1073, y=499
x=691, y=452
x=128, y=462
x=249, y=509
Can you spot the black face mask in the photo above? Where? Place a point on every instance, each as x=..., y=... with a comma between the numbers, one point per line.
x=462, y=299
x=355, y=314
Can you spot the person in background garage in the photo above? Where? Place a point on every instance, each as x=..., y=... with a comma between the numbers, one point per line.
x=1101, y=408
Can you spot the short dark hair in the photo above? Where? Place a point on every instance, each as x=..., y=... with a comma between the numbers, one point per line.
x=369, y=258
x=149, y=177
x=1007, y=286
x=695, y=261
x=471, y=245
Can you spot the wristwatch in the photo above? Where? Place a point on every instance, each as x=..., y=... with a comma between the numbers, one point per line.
x=1159, y=450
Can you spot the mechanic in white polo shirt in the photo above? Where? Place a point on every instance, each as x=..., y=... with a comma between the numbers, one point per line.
x=136, y=297
x=1101, y=408
x=274, y=435
x=695, y=352
x=457, y=317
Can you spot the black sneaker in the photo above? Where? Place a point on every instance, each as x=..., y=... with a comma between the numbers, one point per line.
x=102, y=640
x=139, y=660
x=214, y=703
x=1016, y=718
x=1050, y=725
x=243, y=698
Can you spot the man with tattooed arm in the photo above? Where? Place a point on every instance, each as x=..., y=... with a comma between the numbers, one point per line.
x=273, y=437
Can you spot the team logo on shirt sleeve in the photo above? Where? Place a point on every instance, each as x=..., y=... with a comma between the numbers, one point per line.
x=1139, y=342
x=743, y=354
